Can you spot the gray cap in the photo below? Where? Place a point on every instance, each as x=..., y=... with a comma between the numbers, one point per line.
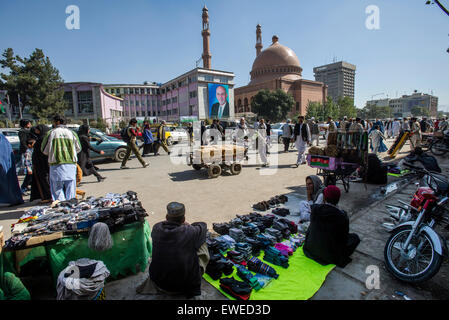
x=175, y=209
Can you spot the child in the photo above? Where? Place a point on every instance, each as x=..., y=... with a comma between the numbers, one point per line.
x=27, y=166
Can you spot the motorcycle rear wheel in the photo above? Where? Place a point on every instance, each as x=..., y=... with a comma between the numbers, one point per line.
x=438, y=148
x=392, y=252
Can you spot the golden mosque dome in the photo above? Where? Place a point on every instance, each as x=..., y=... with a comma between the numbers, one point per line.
x=276, y=61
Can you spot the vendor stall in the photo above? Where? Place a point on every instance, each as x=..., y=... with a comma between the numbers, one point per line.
x=341, y=158
x=59, y=234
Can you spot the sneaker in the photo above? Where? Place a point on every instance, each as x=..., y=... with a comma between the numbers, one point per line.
x=124, y=167
x=146, y=165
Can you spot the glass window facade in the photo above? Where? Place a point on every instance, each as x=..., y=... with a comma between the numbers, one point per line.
x=85, y=102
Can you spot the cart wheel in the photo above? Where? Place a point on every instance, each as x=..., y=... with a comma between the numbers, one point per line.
x=214, y=170
x=330, y=180
x=236, y=168
x=196, y=166
x=345, y=183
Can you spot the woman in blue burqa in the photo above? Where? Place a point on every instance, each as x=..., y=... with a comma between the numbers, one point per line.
x=9, y=184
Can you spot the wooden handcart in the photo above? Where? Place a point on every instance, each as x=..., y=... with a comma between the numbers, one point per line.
x=217, y=159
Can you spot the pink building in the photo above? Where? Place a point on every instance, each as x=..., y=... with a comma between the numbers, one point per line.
x=89, y=100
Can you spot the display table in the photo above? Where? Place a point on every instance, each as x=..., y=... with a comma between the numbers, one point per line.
x=129, y=254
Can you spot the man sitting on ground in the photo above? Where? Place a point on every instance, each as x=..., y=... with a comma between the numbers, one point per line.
x=328, y=240
x=180, y=253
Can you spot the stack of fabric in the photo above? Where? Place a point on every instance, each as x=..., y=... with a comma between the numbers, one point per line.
x=291, y=225
x=256, y=246
x=219, y=265
x=248, y=277
x=274, y=256
x=284, y=249
x=298, y=239
x=237, y=234
x=236, y=223
x=217, y=245
x=283, y=228
x=245, y=249
x=274, y=233
x=264, y=241
x=237, y=289
x=250, y=230
x=258, y=266
x=236, y=257
x=227, y=240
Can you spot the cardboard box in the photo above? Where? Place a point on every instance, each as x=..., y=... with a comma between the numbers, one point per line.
x=41, y=239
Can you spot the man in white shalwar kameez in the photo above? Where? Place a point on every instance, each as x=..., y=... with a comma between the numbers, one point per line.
x=302, y=139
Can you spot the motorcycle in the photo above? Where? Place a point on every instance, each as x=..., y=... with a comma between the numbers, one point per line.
x=414, y=251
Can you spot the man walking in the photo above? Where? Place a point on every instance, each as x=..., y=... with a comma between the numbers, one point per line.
x=315, y=131
x=130, y=137
x=302, y=139
x=415, y=138
x=161, y=140
x=61, y=145
x=287, y=134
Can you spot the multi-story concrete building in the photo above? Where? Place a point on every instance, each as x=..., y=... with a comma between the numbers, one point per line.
x=139, y=100
x=339, y=78
x=402, y=107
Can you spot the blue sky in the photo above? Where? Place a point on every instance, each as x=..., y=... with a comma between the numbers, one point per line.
x=137, y=40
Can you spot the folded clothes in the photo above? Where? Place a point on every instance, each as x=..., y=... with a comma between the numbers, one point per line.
x=237, y=289
x=291, y=225
x=244, y=248
x=258, y=266
x=282, y=227
x=248, y=277
x=237, y=234
x=219, y=265
x=274, y=233
x=236, y=223
x=237, y=257
x=227, y=240
x=284, y=249
x=274, y=256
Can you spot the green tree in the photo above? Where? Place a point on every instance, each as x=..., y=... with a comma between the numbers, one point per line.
x=272, y=105
x=314, y=109
x=37, y=82
x=346, y=107
x=418, y=111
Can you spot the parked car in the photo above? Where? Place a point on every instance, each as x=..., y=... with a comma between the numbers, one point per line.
x=276, y=129
x=12, y=134
x=177, y=134
x=113, y=148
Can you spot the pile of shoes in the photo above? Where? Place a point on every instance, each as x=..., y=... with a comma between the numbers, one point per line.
x=237, y=234
x=250, y=229
x=273, y=202
x=281, y=212
x=262, y=206
x=236, y=257
x=282, y=227
x=248, y=277
x=274, y=256
x=245, y=249
x=237, y=289
x=221, y=228
x=258, y=266
x=274, y=233
x=219, y=265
